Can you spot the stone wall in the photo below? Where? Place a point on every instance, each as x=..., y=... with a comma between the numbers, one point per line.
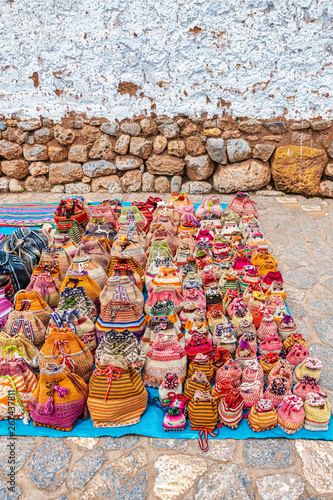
x=121, y=58
x=198, y=155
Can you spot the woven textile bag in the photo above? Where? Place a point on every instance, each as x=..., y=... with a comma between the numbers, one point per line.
x=132, y=214
x=120, y=315
x=121, y=288
x=165, y=355
x=127, y=267
x=63, y=241
x=33, y=302
x=293, y=339
x=6, y=283
x=60, y=255
x=126, y=248
x=100, y=229
x=167, y=222
x=198, y=344
x=78, y=299
x=262, y=416
x=158, y=249
x=165, y=292
x=59, y=398
x=146, y=212
x=27, y=244
x=155, y=266
x=94, y=270
x=72, y=209
x=202, y=411
x=158, y=232
x=19, y=274
x=52, y=268
x=27, y=324
x=117, y=397
x=163, y=211
x=46, y=286
x=82, y=279
x=18, y=346
x=105, y=210
x=120, y=343
x=166, y=277
x=277, y=390
x=156, y=324
x=6, y=308
x=82, y=326
x=181, y=202
x=16, y=377
x=63, y=346
x=267, y=327
x=135, y=232
x=93, y=249
x=242, y=205
x=196, y=382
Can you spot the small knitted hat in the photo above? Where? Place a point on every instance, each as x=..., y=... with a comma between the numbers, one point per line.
x=310, y=366
x=317, y=412
x=306, y=385
x=231, y=409
x=262, y=416
x=291, y=414
x=202, y=363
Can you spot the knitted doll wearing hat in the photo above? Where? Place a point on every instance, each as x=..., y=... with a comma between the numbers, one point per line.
x=291, y=414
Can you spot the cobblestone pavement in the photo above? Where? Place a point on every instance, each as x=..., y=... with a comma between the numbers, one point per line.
x=300, y=234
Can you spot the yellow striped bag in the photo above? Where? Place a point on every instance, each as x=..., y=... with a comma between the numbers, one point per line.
x=117, y=396
x=202, y=412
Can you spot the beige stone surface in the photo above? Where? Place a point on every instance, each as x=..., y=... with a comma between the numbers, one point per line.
x=61, y=173
x=64, y=136
x=15, y=168
x=102, y=149
x=78, y=153
x=248, y=175
x=160, y=143
x=199, y=168
x=36, y=152
x=131, y=181
x=317, y=459
x=57, y=153
x=165, y=164
x=10, y=150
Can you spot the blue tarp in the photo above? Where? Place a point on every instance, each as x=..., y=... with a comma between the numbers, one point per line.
x=151, y=424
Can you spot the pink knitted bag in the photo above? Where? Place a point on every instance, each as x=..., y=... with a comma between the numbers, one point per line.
x=230, y=372
x=306, y=385
x=272, y=343
x=297, y=354
x=281, y=369
x=277, y=390
x=267, y=327
x=252, y=386
x=291, y=414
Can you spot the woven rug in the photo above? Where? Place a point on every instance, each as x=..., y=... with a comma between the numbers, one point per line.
x=151, y=421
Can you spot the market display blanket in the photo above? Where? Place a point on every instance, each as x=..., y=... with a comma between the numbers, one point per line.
x=151, y=421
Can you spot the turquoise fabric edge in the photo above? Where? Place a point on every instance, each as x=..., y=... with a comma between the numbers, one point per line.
x=150, y=424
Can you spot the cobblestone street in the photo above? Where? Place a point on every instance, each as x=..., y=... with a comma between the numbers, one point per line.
x=300, y=236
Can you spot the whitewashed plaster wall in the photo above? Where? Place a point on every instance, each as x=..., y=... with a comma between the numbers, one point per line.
x=250, y=58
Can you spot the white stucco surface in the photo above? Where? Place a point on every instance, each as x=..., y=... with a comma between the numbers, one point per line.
x=254, y=58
